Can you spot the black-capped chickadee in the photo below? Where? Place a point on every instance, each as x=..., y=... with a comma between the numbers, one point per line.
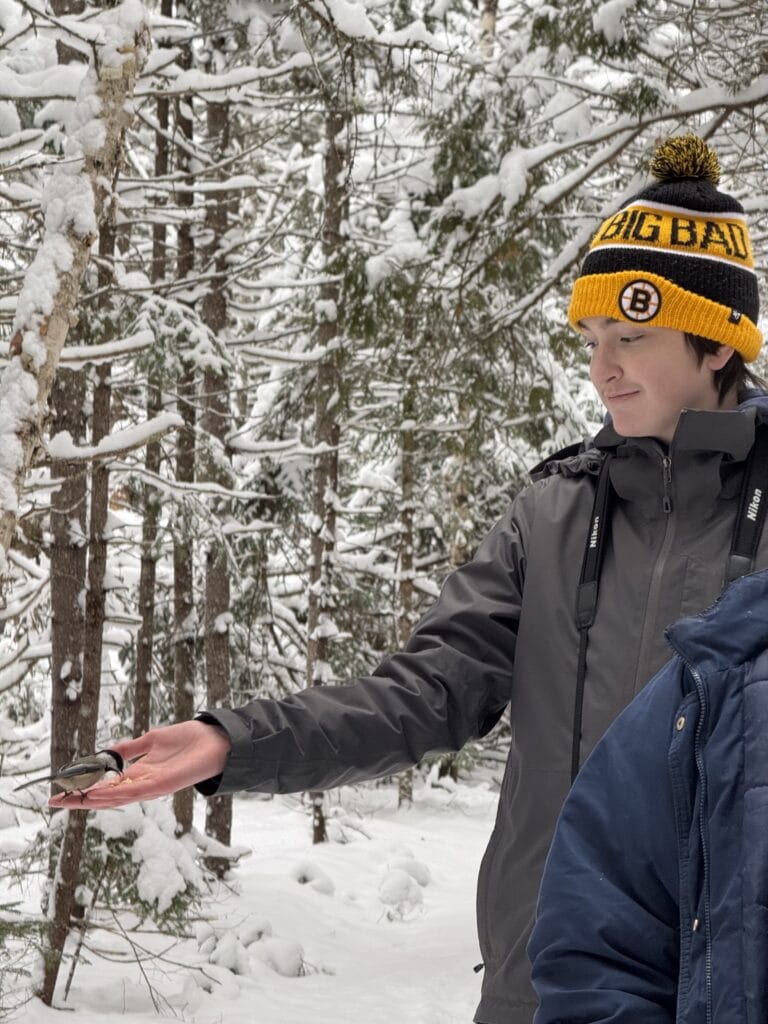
x=83, y=772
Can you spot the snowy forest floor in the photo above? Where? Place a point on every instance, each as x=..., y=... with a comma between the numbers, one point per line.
x=380, y=927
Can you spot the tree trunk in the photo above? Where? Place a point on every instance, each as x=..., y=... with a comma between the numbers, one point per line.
x=142, y=698
x=68, y=564
x=67, y=54
x=151, y=503
x=461, y=522
x=488, y=12
x=97, y=565
x=66, y=878
x=62, y=899
x=406, y=548
x=185, y=626
x=459, y=500
x=67, y=875
x=183, y=588
x=327, y=391
x=68, y=570
x=218, y=814
x=74, y=707
x=216, y=425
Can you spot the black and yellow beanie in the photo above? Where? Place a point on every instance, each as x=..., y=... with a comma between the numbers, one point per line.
x=676, y=255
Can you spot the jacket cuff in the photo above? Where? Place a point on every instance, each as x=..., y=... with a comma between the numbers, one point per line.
x=238, y=760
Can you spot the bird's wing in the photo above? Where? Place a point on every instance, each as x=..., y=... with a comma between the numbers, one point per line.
x=76, y=768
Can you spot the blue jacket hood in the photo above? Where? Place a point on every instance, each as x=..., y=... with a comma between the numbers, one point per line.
x=732, y=632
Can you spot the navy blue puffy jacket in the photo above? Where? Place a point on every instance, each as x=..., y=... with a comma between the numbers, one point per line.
x=654, y=902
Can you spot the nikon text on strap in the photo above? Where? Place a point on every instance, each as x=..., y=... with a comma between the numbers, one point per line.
x=750, y=517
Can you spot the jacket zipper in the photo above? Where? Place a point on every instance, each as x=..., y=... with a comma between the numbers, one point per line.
x=657, y=573
x=666, y=471
x=699, y=757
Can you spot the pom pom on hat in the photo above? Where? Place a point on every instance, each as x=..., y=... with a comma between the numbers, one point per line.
x=685, y=156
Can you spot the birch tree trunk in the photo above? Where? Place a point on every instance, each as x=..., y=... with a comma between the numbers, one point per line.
x=327, y=391
x=73, y=205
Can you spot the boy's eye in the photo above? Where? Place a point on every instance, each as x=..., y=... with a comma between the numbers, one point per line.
x=631, y=337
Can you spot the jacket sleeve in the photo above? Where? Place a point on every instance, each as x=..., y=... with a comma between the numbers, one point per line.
x=450, y=684
x=605, y=946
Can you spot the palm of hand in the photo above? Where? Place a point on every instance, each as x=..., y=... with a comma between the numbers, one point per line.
x=170, y=758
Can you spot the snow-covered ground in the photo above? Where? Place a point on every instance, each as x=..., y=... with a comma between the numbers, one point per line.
x=380, y=928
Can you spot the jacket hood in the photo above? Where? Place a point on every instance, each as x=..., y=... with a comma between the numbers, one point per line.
x=575, y=460
x=755, y=399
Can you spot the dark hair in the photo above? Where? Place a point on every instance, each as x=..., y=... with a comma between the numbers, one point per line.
x=735, y=375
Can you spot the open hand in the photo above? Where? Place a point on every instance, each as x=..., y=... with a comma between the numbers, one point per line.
x=169, y=758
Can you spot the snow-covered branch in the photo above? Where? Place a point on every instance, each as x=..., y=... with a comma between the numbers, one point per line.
x=113, y=446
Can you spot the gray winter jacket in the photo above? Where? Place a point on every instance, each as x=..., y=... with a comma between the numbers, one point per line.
x=503, y=633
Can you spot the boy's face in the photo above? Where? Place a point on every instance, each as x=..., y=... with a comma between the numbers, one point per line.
x=646, y=376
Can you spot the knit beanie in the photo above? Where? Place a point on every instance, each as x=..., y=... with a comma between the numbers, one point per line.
x=677, y=255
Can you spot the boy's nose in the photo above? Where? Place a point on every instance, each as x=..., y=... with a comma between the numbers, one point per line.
x=604, y=367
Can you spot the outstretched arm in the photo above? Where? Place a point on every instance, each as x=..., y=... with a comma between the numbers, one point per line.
x=450, y=684
x=170, y=758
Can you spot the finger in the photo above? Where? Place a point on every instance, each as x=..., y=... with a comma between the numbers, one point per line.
x=103, y=797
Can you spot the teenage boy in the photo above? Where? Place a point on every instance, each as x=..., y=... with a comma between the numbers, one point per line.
x=667, y=304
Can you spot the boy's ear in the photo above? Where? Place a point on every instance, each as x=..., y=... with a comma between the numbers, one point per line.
x=717, y=360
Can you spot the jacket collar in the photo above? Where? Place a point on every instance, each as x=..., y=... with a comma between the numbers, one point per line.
x=727, y=433
x=696, y=469
x=720, y=435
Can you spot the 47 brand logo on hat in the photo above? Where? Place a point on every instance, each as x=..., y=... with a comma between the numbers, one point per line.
x=640, y=301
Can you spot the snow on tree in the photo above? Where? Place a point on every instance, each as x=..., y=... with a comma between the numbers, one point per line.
x=73, y=203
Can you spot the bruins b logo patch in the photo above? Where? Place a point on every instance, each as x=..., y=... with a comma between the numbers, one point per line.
x=640, y=301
